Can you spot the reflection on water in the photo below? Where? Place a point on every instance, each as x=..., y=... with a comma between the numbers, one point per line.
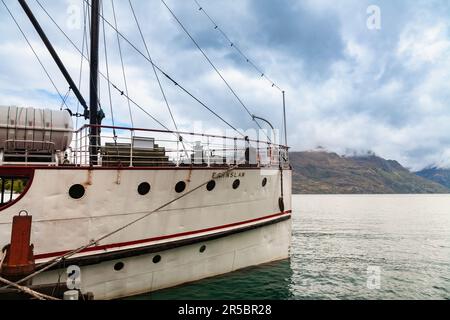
x=336, y=240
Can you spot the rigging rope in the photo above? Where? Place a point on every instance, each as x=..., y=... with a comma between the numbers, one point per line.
x=248, y=60
x=65, y=99
x=121, y=61
x=80, y=77
x=87, y=59
x=239, y=51
x=70, y=40
x=212, y=65
x=148, y=60
x=35, y=54
x=164, y=73
x=35, y=294
x=107, y=74
x=180, y=138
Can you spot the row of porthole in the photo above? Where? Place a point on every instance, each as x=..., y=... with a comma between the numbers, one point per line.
x=77, y=191
x=144, y=188
x=156, y=259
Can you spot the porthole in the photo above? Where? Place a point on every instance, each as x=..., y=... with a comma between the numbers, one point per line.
x=180, y=187
x=211, y=185
x=77, y=191
x=157, y=259
x=119, y=266
x=144, y=188
x=264, y=182
x=202, y=249
x=236, y=184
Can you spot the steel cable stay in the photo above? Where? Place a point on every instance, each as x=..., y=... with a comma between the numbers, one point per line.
x=250, y=62
x=119, y=46
x=105, y=77
x=66, y=96
x=180, y=138
x=146, y=58
x=213, y=66
x=134, y=47
x=107, y=74
x=36, y=55
x=233, y=45
x=83, y=43
x=85, y=38
x=56, y=261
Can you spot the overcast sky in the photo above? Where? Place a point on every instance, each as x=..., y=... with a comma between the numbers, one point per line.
x=350, y=88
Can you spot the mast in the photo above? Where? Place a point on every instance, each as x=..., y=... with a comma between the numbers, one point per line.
x=54, y=55
x=95, y=118
x=284, y=119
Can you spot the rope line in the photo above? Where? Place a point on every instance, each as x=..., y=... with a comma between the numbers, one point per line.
x=120, y=91
x=180, y=138
x=35, y=294
x=83, y=43
x=233, y=45
x=70, y=40
x=107, y=75
x=164, y=73
x=121, y=61
x=146, y=58
x=35, y=54
x=212, y=64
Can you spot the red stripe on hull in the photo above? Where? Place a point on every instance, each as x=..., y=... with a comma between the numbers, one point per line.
x=136, y=242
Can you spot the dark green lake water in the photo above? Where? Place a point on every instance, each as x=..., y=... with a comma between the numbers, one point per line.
x=348, y=247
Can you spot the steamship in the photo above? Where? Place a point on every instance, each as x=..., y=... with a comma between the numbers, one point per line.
x=112, y=212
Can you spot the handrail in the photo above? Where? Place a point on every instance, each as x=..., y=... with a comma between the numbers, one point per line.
x=180, y=133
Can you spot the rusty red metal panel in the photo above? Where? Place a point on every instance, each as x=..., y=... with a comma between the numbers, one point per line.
x=20, y=241
x=19, y=260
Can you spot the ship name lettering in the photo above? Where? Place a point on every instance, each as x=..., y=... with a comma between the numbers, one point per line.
x=220, y=175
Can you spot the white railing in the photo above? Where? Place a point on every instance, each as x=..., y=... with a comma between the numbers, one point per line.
x=132, y=147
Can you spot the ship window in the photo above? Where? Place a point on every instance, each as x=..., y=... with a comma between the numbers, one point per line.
x=202, y=249
x=236, y=184
x=144, y=188
x=211, y=185
x=180, y=187
x=157, y=259
x=11, y=188
x=119, y=266
x=264, y=182
x=77, y=191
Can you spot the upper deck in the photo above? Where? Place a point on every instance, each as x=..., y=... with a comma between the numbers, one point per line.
x=122, y=147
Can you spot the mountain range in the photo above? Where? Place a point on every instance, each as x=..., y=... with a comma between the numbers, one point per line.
x=439, y=175
x=321, y=172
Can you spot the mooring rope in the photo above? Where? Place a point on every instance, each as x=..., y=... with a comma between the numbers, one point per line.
x=35, y=294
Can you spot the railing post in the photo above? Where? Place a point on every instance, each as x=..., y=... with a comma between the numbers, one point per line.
x=209, y=152
x=131, y=149
x=87, y=152
x=235, y=151
x=76, y=148
x=270, y=154
x=178, y=153
x=258, y=158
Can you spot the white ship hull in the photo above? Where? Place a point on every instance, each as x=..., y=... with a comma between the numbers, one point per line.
x=239, y=227
x=182, y=265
